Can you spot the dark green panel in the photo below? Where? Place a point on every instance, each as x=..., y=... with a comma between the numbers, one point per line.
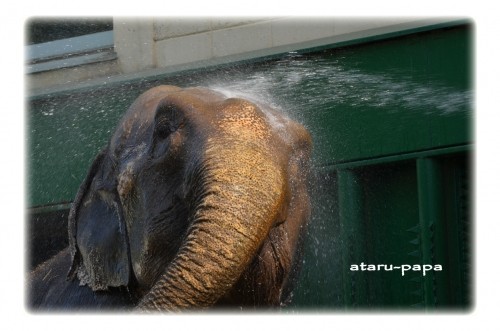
x=430, y=200
x=452, y=235
x=46, y=235
x=405, y=215
x=352, y=227
x=392, y=236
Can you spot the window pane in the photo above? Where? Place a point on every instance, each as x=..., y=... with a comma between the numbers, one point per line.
x=41, y=30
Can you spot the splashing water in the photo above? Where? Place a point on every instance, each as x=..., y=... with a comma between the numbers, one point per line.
x=297, y=82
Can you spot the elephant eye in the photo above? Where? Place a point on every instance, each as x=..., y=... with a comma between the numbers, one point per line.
x=168, y=119
x=164, y=128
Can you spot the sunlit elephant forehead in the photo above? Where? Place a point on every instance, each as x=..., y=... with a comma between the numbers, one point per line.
x=143, y=110
x=198, y=98
x=137, y=124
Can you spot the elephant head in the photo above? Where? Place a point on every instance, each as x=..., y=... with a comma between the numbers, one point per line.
x=198, y=199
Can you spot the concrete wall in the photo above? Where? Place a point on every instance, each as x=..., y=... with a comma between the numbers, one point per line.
x=155, y=45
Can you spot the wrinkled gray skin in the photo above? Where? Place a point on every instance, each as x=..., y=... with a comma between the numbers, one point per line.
x=197, y=201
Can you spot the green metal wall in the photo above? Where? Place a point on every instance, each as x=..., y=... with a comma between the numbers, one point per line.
x=395, y=181
x=391, y=122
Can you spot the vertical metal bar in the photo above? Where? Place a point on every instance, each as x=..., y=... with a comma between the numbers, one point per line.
x=451, y=252
x=350, y=197
x=450, y=288
x=430, y=211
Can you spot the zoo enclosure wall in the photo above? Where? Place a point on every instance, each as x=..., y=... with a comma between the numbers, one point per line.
x=124, y=49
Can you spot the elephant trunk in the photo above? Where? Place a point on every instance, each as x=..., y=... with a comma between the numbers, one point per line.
x=244, y=189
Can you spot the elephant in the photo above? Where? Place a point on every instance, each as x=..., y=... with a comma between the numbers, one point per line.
x=198, y=201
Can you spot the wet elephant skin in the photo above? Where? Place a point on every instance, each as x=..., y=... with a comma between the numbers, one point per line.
x=197, y=201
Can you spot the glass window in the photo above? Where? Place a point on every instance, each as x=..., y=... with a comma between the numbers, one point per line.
x=62, y=43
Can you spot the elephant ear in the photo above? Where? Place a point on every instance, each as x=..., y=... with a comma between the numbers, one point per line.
x=97, y=235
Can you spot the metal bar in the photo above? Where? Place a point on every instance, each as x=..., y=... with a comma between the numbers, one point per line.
x=383, y=33
x=49, y=208
x=398, y=157
x=430, y=209
x=450, y=291
x=350, y=197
